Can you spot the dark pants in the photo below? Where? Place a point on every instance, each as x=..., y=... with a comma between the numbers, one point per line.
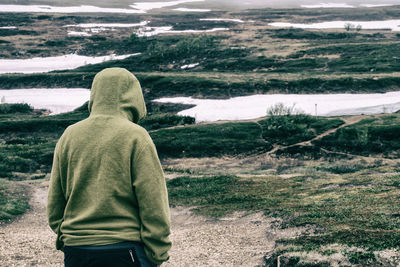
x=132, y=256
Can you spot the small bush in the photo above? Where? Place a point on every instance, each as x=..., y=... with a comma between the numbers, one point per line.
x=12, y=32
x=280, y=109
x=56, y=43
x=342, y=167
x=15, y=108
x=287, y=129
x=361, y=257
x=159, y=121
x=186, y=47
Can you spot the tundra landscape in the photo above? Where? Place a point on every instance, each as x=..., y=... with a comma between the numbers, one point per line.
x=278, y=128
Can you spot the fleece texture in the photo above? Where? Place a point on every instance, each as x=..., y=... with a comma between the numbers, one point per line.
x=107, y=184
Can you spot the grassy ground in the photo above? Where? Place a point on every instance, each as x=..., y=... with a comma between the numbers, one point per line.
x=370, y=136
x=250, y=58
x=343, y=187
x=353, y=214
x=13, y=200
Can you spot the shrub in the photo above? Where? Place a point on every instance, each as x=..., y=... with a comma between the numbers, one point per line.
x=342, y=167
x=210, y=140
x=280, y=109
x=12, y=32
x=15, y=108
x=159, y=121
x=311, y=35
x=186, y=47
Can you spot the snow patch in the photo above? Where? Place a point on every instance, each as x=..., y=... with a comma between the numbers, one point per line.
x=46, y=64
x=329, y=5
x=109, y=25
x=66, y=9
x=393, y=25
x=56, y=100
x=8, y=28
x=73, y=33
x=255, y=106
x=151, y=31
x=182, y=9
x=189, y=66
x=222, y=19
x=375, y=5
x=147, y=6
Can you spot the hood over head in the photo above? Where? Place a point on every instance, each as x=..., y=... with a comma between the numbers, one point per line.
x=117, y=92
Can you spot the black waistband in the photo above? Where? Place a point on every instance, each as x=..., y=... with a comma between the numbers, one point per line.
x=116, y=246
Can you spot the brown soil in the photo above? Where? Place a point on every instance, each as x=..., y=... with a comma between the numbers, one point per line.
x=237, y=240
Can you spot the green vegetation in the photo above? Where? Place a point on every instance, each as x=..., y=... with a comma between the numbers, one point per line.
x=284, y=127
x=382, y=57
x=210, y=140
x=293, y=33
x=13, y=200
x=29, y=141
x=156, y=85
x=11, y=32
x=15, y=108
x=356, y=209
x=159, y=121
x=368, y=137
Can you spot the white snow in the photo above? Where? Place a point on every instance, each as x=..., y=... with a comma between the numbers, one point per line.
x=375, y=5
x=109, y=25
x=223, y=19
x=74, y=33
x=138, y=8
x=99, y=29
x=151, y=31
x=66, y=9
x=190, y=66
x=56, y=100
x=45, y=64
x=147, y=6
x=182, y=9
x=329, y=5
x=255, y=106
x=393, y=25
x=8, y=27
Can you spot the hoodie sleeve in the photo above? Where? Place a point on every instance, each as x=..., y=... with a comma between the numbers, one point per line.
x=151, y=192
x=56, y=201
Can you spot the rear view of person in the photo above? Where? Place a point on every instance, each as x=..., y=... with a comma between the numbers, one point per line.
x=108, y=201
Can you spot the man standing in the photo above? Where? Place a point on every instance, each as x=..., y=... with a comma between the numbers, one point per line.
x=108, y=201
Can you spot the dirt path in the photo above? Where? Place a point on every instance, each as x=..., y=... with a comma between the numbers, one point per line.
x=29, y=241
x=236, y=240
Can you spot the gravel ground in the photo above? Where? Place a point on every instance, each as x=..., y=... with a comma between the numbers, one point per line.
x=237, y=240
x=29, y=241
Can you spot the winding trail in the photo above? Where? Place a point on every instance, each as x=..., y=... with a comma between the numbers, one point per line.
x=236, y=240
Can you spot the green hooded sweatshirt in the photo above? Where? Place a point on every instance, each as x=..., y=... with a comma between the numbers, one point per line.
x=107, y=184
